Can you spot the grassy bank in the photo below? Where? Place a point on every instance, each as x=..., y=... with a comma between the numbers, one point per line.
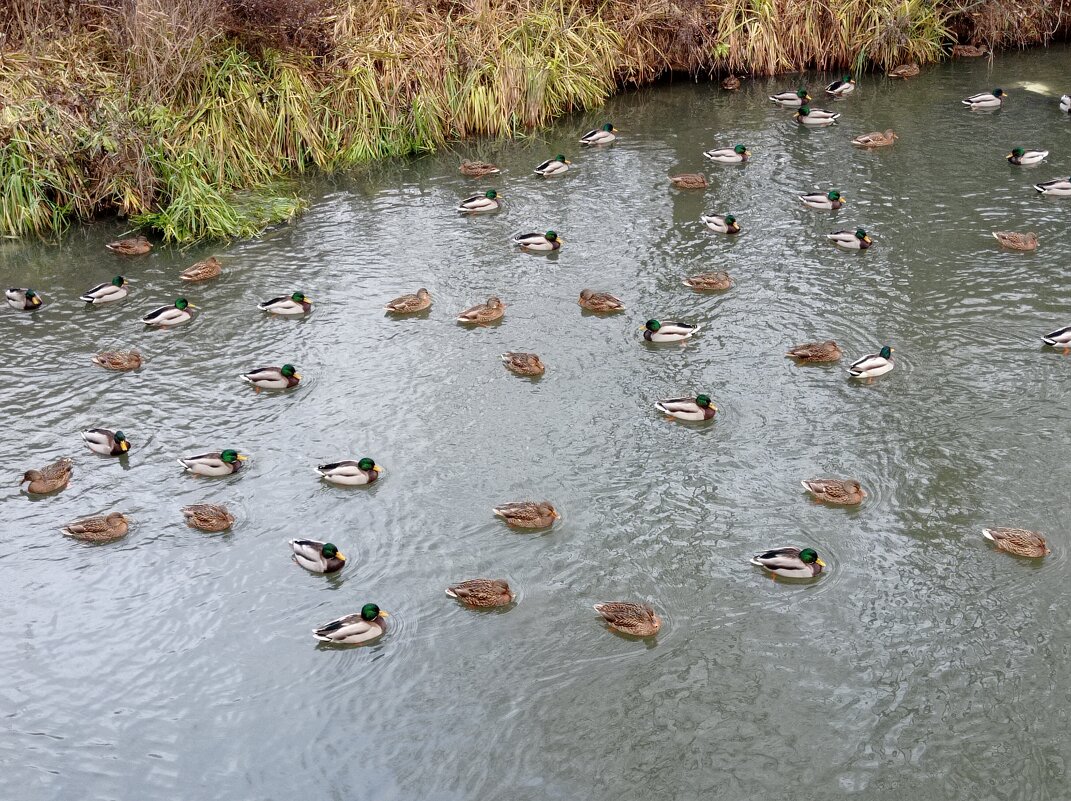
x=187, y=115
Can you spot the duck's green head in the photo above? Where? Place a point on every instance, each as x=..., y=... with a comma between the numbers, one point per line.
x=562, y=159
x=33, y=297
x=118, y=281
x=804, y=111
x=299, y=297
x=703, y=401
x=609, y=128
x=848, y=79
x=740, y=150
x=370, y=612
x=182, y=304
x=885, y=352
x=120, y=438
x=653, y=325
x=802, y=94
x=369, y=464
x=861, y=234
x=289, y=371
x=230, y=456
x=490, y=194
x=551, y=236
x=998, y=93
x=1018, y=152
x=834, y=196
x=808, y=556
x=730, y=219
x=331, y=551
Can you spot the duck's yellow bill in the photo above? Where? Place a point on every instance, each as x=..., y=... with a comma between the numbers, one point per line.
x=297, y=376
x=378, y=469
x=383, y=613
x=242, y=457
x=819, y=562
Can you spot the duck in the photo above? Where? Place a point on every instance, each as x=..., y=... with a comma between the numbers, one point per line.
x=137, y=246
x=599, y=301
x=538, y=243
x=488, y=201
x=409, y=304
x=528, y=364
x=318, y=557
x=1016, y=241
x=693, y=410
x=283, y=377
x=104, y=528
x=815, y=117
x=1057, y=187
x=367, y=625
x=852, y=240
x=478, y=169
x=208, y=517
x=493, y=309
x=968, y=51
x=105, y=441
x=1060, y=338
x=846, y=492
x=50, y=478
x=709, y=282
x=202, y=270
x=350, y=472
x=873, y=364
x=602, y=136
x=118, y=359
x=689, y=180
x=876, y=139
x=844, y=86
x=656, y=331
x=214, y=463
x=106, y=293
x=23, y=299
x=791, y=99
x=638, y=620
x=528, y=514
x=830, y=201
x=483, y=592
x=1065, y=104
x=1021, y=157
x=730, y=83
x=816, y=352
x=167, y=316
x=738, y=154
x=1018, y=541
x=986, y=100
x=721, y=223
x=790, y=562
x=295, y=304
x=904, y=71
x=555, y=166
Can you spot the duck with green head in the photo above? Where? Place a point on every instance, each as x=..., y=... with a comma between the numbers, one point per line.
x=474, y=204
x=23, y=299
x=176, y=314
x=291, y=305
x=657, y=331
x=106, y=293
x=858, y=239
x=1021, y=157
x=791, y=99
x=105, y=441
x=318, y=557
x=694, y=410
x=350, y=472
x=986, y=101
x=538, y=243
x=367, y=625
x=721, y=223
x=284, y=377
x=216, y=463
x=830, y=201
x=729, y=155
x=790, y=562
x=555, y=166
x=815, y=117
x=873, y=364
x=842, y=87
x=600, y=136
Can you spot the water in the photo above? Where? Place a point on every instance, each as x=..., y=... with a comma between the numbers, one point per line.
x=924, y=664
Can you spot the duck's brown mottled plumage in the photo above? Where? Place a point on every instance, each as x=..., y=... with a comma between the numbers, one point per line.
x=689, y=180
x=487, y=312
x=968, y=51
x=1015, y=241
x=136, y=246
x=1018, y=541
x=730, y=83
x=600, y=301
x=523, y=363
x=50, y=478
x=407, y=304
x=827, y=351
x=202, y=270
x=904, y=71
x=639, y=620
x=208, y=517
x=118, y=359
x=709, y=282
x=104, y=528
x=846, y=492
x=528, y=514
x=482, y=592
x=876, y=139
x=476, y=169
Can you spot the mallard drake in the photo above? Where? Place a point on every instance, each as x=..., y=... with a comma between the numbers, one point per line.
x=1058, y=187
x=852, y=240
x=408, y=304
x=118, y=359
x=49, y=478
x=986, y=100
x=1065, y=104
x=689, y=180
x=815, y=117
x=601, y=136
x=721, y=223
x=873, y=364
x=730, y=83
x=283, y=377
x=136, y=246
x=845, y=492
x=208, y=517
x=202, y=270
x=528, y=514
x=478, y=169
x=1021, y=157
x=639, y=620
x=830, y=201
x=904, y=71
x=106, y=293
x=599, y=301
x=105, y=441
x=876, y=139
x=295, y=304
x=350, y=472
x=365, y=626
x=175, y=314
x=790, y=562
x=656, y=331
x=523, y=363
x=844, y=86
x=691, y=409
x=791, y=99
x=105, y=528
x=968, y=51
x=1018, y=541
x=23, y=299
x=1060, y=338
x=709, y=282
x=483, y=592
x=215, y=463
x=318, y=557
x=554, y=166
x=538, y=243
x=488, y=201
x=1015, y=241
x=827, y=351
x=729, y=155
x=487, y=312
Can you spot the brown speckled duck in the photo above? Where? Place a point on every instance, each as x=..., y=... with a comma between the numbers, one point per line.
x=528, y=514
x=482, y=592
x=816, y=352
x=600, y=301
x=689, y=180
x=137, y=246
x=477, y=169
x=845, y=492
x=523, y=363
x=639, y=620
x=709, y=282
x=118, y=359
x=487, y=312
x=105, y=528
x=1018, y=541
x=408, y=304
x=202, y=270
x=904, y=71
x=1014, y=241
x=208, y=517
x=50, y=478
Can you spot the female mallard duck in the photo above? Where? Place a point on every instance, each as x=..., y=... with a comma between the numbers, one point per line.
x=602, y=136
x=118, y=359
x=23, y=299
x=1058, y=187
x=481, y=313
x=50, y=478
x=790, y=562
x=1065, y=104
x=365, y=626
x=689, y=180
x=408, y=304
x=488, y=201
x=483, y=592
x=968, y=51
x=1060, y=338
x=283, y=377
x=478, y=169
x=691, y=409
x=815, y=117
x=166, y=316
x=721, y=223
x=656, y=331
x=852, y=240
x=137, y=246
x=105, y=441
x=350, y=472
x=876, y=139
x=523, y=363
x=730, y=83
x=599, y=301
x=106, y=293
x=1021, y=157
x=202, y=270
x=904, y=71
x=791, y=99
x=216, y=463
x=294, y=305
x=986, y=100
x=709, y=282
x=729, y=155
x=638, y=620
x=538, y=243
x=846, y=492
x=830, y=201
x=1018, y=541
x=554, y=166
x=105, y=528
x=528, y=514
x=815, y=352
x=208, y=517
x=318, y=557
x=1014, y=241
x=844, y=86
x=873, y=364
